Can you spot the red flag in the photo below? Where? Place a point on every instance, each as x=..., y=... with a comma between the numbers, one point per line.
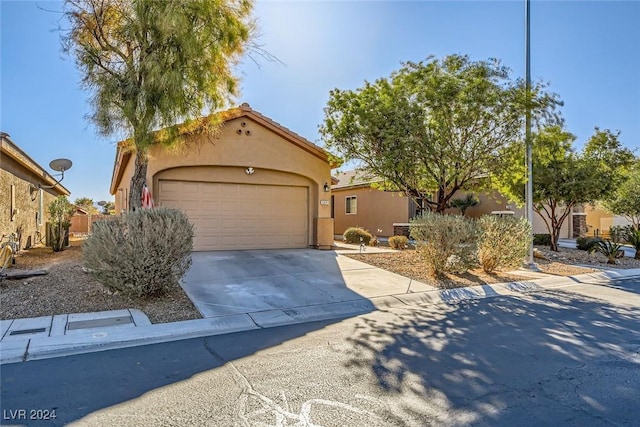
x=147, y=200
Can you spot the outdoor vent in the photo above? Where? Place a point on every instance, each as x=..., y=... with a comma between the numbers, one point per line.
x=247, y=132
x=239, y=131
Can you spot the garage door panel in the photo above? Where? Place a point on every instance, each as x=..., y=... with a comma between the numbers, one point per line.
x=241, y=216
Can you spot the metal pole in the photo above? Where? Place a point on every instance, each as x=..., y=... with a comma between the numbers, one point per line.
x=529, y=155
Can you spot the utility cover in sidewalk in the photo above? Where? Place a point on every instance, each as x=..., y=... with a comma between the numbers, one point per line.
x=28, y=331
x=99, y=323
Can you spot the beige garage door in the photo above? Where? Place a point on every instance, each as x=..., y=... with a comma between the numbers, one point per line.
x=241, y=216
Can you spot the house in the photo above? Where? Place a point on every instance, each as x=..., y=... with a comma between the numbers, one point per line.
x=255, y=185
x=357, y=203
x=599, y=220
x=26, y=189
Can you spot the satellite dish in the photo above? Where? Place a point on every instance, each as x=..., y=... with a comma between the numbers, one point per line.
x=102, y=203
x=60, y=165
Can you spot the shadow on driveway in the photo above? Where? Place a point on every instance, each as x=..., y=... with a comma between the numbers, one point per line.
x=236, y=282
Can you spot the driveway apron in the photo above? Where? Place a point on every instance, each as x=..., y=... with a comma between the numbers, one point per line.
x=232, y=282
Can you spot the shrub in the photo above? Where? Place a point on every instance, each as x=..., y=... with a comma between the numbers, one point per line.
x=632, y=236
x=60, y=213
x=502, y=242
x=374, y=241
x=542, y=239
x=586, y=243
x=398, y=242
x=140, y=253
x=357, y=235
x=445, y=242
x=609, y=249
x=617, y=233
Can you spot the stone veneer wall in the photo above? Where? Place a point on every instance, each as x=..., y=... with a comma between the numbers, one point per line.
x=579, y=225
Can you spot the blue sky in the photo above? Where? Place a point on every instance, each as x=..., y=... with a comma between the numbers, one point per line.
x=588, y=51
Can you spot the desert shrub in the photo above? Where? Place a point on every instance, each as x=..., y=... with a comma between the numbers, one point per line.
x=398, y=242
x=357, y=235
x=586, y=243
x=446, y=243
x=502, y=242
x=374, y=241
x=543, y=239
x=140, y=253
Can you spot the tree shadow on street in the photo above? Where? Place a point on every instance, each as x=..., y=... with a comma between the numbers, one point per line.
x=545, y=358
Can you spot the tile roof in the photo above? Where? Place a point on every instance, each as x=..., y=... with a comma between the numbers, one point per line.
x=353, y=178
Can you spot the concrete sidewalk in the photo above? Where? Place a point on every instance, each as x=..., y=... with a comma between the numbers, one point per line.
x=53, y=336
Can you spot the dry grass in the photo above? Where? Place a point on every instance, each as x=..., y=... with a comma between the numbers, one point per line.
x=68, y=289
x=566, y=262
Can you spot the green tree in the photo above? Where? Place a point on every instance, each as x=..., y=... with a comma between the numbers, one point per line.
x=150, y=64
x=60, y=213
x=109, y=208
x=563, y=178
x=625, y=200
x=86, y=204
x=433, y=127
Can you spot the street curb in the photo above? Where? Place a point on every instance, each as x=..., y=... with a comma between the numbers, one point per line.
x=38, y=348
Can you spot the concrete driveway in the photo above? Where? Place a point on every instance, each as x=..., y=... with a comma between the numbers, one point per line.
x=233, y=282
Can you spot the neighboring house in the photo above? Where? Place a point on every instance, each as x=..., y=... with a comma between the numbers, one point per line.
x=256, y=185
x=355, y=203
x=23, y=194
x=599, y=220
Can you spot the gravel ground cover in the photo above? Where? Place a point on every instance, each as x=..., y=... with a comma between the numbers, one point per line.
x=68, y=289
x=566, y=262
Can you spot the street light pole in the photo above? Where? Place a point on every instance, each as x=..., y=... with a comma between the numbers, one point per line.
x=528, y=143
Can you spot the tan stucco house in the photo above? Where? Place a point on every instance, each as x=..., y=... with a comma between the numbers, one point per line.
x=23, y=194
x=356, y=203
x=255, y=185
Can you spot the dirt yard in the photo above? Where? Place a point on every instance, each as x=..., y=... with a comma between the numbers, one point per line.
x=68, y=289
x=566, y=262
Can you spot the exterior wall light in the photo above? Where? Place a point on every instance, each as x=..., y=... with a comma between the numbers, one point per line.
x=326, y=187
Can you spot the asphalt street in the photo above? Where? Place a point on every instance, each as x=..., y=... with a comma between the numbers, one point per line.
x=559, y=358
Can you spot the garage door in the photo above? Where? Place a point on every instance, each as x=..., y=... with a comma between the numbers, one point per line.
x=240, y=216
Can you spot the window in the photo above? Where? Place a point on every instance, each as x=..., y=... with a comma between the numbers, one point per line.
x=351, y=205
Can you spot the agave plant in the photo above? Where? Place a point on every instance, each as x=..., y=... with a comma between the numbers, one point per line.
x=466, y=203
x=609, y=249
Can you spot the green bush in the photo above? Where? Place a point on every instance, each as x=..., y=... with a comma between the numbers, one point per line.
x=446, y=243
x=586, y=243
x=542, y=239
x=398, y=242
x=141, y=253
x=357, y=235
x=617, y=233
x=502, y=242
x=631, y=235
